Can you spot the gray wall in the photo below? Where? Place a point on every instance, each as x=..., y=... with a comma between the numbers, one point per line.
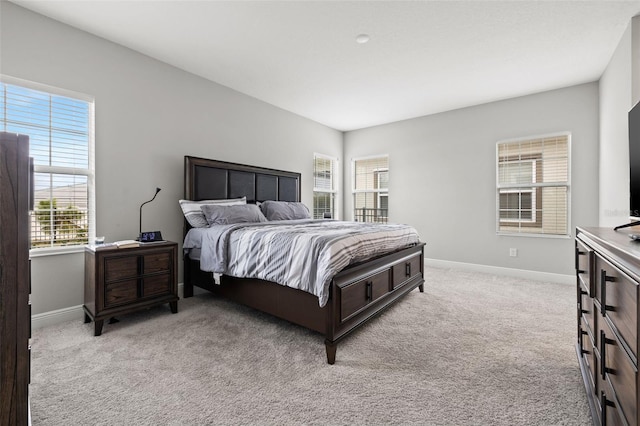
x=148, y=116
x=619, y=91
x=443, y=176
x=442, y=166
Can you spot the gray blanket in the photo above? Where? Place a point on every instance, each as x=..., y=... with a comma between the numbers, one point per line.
x=303, y=254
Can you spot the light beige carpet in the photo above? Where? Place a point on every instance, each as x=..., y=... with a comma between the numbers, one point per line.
x=474, y=349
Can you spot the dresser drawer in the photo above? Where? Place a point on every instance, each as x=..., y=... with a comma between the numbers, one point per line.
x=120, y=292
x=157, y=262
x=618, y=296
x=120, y=267
x=610, y=414
x=587, y=311
x=619, y=370
x=587, y=349
x=357, y=295
x=404, y=271
x=584, y=266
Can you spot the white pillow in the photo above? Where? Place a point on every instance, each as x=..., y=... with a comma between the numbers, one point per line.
x=195, y=216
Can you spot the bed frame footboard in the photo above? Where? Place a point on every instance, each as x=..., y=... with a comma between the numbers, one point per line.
x=357, y=294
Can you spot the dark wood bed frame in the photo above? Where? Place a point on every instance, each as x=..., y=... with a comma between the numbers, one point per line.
x=357, y=293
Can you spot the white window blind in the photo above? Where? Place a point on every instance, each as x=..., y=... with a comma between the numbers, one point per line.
x=60, y=130
x=533, y=182
x=324, y=186
x=371, y=189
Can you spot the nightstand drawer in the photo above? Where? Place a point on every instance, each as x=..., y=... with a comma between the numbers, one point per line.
x=157, y=262
x=120, y=267
x=156, y=285
x=120, y=292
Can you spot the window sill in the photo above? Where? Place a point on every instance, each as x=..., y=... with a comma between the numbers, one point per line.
x=518, y=234
x=54, y=251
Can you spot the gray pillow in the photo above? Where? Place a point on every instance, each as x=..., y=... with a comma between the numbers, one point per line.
x=284, y=210
x=193, y=213
x=224, y=215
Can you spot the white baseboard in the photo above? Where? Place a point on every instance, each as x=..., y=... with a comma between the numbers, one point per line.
x=56, y=317
x=69, y=314
x=498, y=270
x=76, y=313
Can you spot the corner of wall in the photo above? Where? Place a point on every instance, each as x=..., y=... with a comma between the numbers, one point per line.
x=635, y=59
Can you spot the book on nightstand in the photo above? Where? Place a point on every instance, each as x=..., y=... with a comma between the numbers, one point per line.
x=115, y=244
x=126, y=243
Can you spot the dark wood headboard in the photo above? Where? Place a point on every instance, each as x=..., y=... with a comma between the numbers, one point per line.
x=213, y=180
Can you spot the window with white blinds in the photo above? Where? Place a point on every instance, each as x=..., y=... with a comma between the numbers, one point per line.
x=533, y=182
x=324, y=186
x=371, y=189
x=60, y=130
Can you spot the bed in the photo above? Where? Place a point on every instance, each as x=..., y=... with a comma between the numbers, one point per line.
x=356, y=293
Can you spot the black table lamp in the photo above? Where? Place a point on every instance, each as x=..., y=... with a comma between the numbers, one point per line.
x=149, y=236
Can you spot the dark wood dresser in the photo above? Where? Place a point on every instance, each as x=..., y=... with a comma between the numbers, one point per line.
x=15, y=308
x=608, y=275
x=122, y=280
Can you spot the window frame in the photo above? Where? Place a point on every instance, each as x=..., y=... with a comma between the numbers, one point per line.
x=535, y=187
x=377, y=191
x=89, y=172
x=335, y=181
x=532, y=191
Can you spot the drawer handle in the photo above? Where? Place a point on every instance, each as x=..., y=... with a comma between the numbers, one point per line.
x=369, y=290
x=604, y=403
x=407, y=269
x=604, y=278
x=582, y=349
x=603, y=352
x=579, y=253
x=603, y=355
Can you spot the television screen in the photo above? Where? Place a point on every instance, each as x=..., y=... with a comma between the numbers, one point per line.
x=634, y=159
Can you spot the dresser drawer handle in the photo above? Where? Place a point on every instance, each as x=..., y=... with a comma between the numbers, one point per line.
x=604, y=278
x=407, y=269
x=603, y=354
x=604, y=403
x=578, y=254
x=582, y=349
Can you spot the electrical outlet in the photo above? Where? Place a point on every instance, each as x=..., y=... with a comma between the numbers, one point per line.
x=513, y=252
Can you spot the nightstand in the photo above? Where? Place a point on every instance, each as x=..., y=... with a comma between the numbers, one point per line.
x=118, y=281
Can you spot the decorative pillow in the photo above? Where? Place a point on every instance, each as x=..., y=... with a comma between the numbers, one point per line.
x=284, y=210
x=193, y=213
x=224, y=215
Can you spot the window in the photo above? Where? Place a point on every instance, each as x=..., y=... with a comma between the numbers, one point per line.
x=533, y=186
x=371, y=189
x=60, y=129
x=324, y=186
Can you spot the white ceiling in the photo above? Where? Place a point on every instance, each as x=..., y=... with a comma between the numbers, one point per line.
x=423, y=57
